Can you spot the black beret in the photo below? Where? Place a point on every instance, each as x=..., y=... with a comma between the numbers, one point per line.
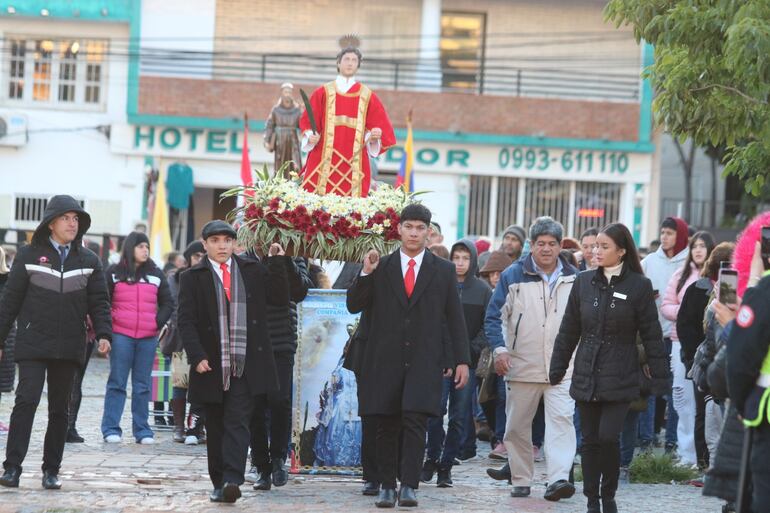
x=217, y=227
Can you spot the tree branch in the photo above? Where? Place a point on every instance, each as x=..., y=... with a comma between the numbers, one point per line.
x=732, y=90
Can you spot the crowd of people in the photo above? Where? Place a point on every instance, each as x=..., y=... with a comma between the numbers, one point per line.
x=547, y=348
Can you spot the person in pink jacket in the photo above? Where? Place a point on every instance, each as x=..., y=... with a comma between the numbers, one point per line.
x=141, y=305
x=701, y=245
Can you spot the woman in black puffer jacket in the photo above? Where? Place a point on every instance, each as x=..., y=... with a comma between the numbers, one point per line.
x=608, y=308
x=7, y=365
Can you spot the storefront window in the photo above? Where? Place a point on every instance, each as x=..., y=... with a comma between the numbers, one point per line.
x=547, y=198
x=596, y=204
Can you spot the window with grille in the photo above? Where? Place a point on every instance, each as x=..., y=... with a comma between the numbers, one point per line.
x=507, y=198
x=547, y=198
x=479, y=197
x=596, y=204
x=50, y=71
x=31, y=208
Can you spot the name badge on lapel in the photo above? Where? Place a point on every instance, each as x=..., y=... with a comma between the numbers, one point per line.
x=619, y=295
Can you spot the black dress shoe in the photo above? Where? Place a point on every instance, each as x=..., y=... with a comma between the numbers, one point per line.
x=520, y=491
x=386, y=498
x=609, y=506
x=371, y=488
x=428, y=469
x=264, y=482
x=216, y=495
x=407, y=497
x=231, y=492
x=280, y=475
x=561, y=489
x=444, y=479
x=10, y=478
x=73, y=437
x=502, y=474
x=51, y=481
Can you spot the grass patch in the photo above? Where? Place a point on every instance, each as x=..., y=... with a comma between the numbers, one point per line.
x=653, y=469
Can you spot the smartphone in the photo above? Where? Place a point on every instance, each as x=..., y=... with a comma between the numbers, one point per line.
x=765, y=246
x=728, y=286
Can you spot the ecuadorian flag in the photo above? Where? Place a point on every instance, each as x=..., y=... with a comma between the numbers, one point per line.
x=406, y=170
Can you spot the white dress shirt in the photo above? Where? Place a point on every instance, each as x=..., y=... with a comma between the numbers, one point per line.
x=405, y=263
x=343, y=85
x=218, y=269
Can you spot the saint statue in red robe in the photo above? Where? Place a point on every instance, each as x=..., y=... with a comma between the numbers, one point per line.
x=352, y=127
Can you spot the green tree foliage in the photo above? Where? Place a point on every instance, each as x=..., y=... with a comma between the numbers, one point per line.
x=711, y=75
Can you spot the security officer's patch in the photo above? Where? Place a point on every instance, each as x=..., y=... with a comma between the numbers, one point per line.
x=745, y=317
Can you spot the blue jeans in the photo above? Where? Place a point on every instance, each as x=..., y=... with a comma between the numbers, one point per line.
x=468, y=442
x=578, y=431
x=459, y=409
x=134, y=355
x=628, y=437
x=647, y=418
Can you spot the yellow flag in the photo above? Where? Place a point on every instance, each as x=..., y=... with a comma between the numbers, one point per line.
x=160, y=230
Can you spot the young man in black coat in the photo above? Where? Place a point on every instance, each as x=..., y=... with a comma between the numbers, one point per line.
x=407, y=297
x=54, y=284
x=222, y=319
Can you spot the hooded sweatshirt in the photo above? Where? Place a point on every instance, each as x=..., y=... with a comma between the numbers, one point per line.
x=474, y=295
x=659, y=268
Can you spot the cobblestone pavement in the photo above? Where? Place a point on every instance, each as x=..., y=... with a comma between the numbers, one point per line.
x=130, y=478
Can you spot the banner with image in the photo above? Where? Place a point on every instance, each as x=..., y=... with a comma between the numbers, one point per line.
x=326, y=426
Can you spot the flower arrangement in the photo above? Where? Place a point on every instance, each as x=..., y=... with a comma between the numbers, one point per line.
x=327, y=227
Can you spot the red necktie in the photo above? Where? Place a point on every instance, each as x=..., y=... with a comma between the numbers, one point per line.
x=409, y=278
x=225, y=279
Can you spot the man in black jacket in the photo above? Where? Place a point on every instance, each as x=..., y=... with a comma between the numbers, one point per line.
x=222, y=319
x=54, y=284
x=268, y=459
x=407, y=297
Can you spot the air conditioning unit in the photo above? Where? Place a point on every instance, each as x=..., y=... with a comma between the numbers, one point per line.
x=13, y=129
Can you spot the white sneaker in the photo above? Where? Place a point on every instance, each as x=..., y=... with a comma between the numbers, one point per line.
x=191, y=440
x=112, y=439
x=147, y=441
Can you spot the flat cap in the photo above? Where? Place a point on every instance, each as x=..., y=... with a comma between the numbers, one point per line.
x=217, y=227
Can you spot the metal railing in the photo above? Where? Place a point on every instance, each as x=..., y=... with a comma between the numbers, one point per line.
x=558, y=79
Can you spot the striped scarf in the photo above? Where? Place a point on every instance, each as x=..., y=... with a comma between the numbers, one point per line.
x=232, y=324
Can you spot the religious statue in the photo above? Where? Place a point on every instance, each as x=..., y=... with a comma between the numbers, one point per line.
x=281, y=131
x=344, y=124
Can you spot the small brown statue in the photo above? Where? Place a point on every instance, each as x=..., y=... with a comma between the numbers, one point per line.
x=281, y=134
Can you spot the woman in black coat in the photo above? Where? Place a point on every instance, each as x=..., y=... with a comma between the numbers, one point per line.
x=7, y=365
x=608, y=309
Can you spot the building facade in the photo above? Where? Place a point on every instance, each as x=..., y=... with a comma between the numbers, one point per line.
x=521, y=108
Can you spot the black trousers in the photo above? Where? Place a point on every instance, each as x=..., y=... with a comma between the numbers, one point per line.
x=369, y=448
x=274, y=418
x=77, y=387
x=410, y=429
x=227, y=428
x=601, y=423
x=701, y=449
x=32, y=376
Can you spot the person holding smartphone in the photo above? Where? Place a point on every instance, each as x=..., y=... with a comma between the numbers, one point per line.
x=748, y=375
